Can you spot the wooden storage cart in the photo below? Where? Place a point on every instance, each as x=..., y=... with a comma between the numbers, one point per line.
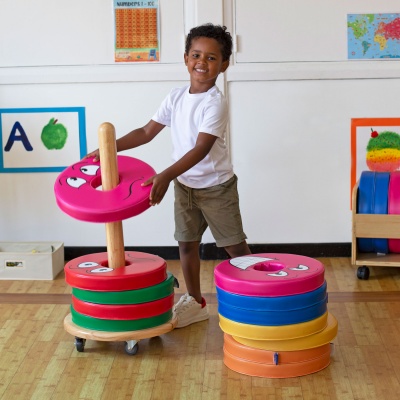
x=372, y=226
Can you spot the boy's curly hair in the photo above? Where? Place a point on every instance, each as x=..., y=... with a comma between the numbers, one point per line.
x=216, y=32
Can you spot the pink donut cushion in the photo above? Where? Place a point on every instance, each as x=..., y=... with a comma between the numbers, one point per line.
x=77, y=194
x=91, y=272
x=269, y=275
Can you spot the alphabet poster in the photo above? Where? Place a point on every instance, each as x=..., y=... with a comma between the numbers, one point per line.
x=136, y=31
x=41, y=139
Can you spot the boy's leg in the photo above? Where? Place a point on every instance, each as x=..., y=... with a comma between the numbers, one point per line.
x=220, y=207
x=191, y=307
x=238, y=250
x=190, y=261
x=189, y=227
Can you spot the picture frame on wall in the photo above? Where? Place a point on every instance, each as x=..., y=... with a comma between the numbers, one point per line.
x=41, y=139
x=375, y=146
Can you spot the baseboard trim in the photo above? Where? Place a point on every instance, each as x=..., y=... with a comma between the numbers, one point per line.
x=209, y=251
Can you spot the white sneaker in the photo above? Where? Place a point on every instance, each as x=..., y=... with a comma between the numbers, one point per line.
x=189, y=311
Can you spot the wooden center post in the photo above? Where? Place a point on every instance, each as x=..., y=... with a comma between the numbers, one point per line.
x=110, y=180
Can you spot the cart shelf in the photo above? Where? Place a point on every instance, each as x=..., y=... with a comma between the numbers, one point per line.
x=372, y=226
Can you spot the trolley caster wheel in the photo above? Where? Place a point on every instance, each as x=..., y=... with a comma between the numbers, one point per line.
x=363, y=273
x=80, y=344
x=131, y=347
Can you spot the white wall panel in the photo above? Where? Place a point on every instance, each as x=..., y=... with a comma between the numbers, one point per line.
x=74, y=32
x=298, y=31
x=28, y=211
x=291, y=151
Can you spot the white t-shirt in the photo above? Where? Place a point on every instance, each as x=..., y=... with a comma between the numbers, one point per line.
x=188, y=114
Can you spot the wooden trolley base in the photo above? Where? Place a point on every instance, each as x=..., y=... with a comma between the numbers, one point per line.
x=130, y=337
x=372, y=226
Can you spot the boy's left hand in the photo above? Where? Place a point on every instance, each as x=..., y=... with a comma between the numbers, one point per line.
x=160, y=187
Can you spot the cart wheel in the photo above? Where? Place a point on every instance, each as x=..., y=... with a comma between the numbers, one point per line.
x=363, y=272
x=131, y=347
x=80, y=344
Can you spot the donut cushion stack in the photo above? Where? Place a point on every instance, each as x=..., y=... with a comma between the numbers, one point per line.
x=135, y=297
x=273, y=311
x=378, y=193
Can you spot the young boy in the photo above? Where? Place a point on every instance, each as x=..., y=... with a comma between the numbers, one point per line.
x=205, y=184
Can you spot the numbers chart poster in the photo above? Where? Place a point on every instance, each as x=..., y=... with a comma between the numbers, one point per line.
x=137, y=33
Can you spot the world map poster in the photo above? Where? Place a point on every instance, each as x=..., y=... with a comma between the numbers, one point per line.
x=371, y=36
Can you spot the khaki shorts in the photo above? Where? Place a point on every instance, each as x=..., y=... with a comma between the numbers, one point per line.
x=216, y=207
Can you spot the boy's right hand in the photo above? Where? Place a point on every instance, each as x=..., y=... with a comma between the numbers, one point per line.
x=160, y=187
x=95, y=155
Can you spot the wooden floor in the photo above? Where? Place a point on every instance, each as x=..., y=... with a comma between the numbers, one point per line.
x=38, y=359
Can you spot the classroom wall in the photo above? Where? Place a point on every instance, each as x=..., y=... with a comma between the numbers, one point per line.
x=291, y=91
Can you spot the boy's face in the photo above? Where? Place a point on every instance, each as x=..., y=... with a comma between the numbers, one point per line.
x=204, y=63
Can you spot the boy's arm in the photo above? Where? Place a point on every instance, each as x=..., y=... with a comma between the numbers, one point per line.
x=135, y=138
x=162, y=180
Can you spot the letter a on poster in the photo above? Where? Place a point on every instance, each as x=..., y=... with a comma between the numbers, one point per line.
x=137, y=36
